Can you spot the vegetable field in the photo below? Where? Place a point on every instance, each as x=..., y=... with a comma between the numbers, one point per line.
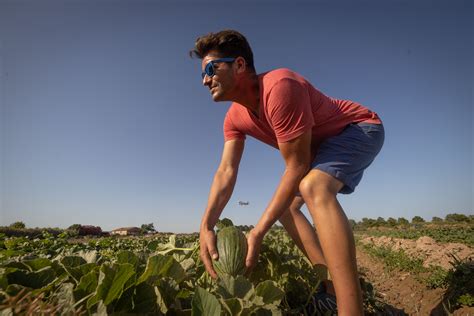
x=408, y=270
x=147, y=275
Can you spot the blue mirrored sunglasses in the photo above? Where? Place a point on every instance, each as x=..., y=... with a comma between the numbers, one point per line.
x=209, y=69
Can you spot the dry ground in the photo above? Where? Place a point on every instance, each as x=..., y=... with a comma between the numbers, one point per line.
x=402, y=293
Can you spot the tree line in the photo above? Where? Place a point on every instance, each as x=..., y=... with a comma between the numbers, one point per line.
x=453, y=218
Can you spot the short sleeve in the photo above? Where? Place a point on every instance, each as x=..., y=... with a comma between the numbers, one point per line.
x=230, y=130
x=289, y=109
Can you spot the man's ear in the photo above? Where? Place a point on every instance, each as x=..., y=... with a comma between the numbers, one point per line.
x=241, y=65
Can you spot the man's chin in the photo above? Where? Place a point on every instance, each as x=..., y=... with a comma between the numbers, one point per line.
x=218, y=97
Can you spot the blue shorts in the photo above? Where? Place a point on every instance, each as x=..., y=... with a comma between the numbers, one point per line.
x=347, y=155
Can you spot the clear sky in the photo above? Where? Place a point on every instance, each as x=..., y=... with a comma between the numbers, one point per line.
x=104, y=119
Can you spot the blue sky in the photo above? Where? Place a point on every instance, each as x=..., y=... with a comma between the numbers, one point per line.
x=104, y=120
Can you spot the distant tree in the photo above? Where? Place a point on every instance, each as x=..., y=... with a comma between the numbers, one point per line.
x=74, y=227
x=73, y=230
x=417, y=219
x=89, y=230
x=391, y=222
x=381, y=221
x=436, y=219
x=455, y=217
x=402, y=221
x=353, y=223
x=18, y=225
x=147, y=228
x=369, y=222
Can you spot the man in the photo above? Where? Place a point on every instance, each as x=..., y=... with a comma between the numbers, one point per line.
x=326, y=145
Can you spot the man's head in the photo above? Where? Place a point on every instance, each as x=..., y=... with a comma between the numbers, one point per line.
x=226, y=57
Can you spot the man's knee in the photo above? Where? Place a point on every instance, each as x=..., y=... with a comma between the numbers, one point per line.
x=319, y=187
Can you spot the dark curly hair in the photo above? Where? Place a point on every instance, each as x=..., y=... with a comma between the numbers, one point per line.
x=228, y=43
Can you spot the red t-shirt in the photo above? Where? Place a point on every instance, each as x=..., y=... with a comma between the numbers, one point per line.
x=289, y=106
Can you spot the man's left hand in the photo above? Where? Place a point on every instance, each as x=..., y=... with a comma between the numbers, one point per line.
x=254, y=241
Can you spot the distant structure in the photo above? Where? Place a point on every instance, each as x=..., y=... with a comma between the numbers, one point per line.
x=241, y=203
x=126, y=231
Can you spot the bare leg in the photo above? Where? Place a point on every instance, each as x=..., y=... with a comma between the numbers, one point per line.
x=302, y=232
x=304, y=236
x=319, y=191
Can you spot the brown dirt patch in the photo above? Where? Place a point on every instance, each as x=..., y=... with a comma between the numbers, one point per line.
x=403, y=294
x=426, y=248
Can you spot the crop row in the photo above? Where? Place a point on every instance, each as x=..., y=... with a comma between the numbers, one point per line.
x=160, y=275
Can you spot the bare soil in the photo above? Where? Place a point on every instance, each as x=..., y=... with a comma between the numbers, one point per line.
x=426, y=248
x=401, y=292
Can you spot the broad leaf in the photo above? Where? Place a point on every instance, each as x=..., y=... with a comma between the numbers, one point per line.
x=17, y=265
x=86, y=286
x=145, y=299
x=38, y=264
x=90, y=256
x=126, y=256
x=204, y=303
x=233, y=306
x=112, y=279
x=72, y=261
x=238, y=287
x=35, y=280
x=159, y=266
x=270, y=292
x=77, y=271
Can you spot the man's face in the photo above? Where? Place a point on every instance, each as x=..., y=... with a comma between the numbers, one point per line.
x=222, y=84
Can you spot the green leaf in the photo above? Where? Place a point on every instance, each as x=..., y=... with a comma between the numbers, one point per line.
x=3, y=279
x=35, y=280
x=126, y=256
x=112, y=279
x=267, y=312
x=270, y=292
x=86, y=286
x=90, y=256
x=321, y=271
x=233, y=306
x=160, y=300
x=17, y=265
x=76, y=272
x=159, y=266
x=238, y=287
x=153, y=245
x=72, y=261
x=38, y=264
x=145, y=299
x=187, y=264
x=204, y=303
x=125, y=303
x=14, y=289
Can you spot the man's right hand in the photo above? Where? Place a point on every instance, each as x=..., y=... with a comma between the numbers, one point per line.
x=207, y=241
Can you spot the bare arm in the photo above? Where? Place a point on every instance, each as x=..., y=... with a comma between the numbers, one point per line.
x=223, y=184
x=220, y=193
x=297, y=156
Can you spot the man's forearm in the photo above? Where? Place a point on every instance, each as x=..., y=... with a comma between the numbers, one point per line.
x=220, y=193
x=282, y=198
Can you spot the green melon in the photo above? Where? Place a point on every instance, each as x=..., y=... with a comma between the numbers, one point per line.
x=232, y=249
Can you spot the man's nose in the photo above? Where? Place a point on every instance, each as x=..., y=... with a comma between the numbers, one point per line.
x=206, y=80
